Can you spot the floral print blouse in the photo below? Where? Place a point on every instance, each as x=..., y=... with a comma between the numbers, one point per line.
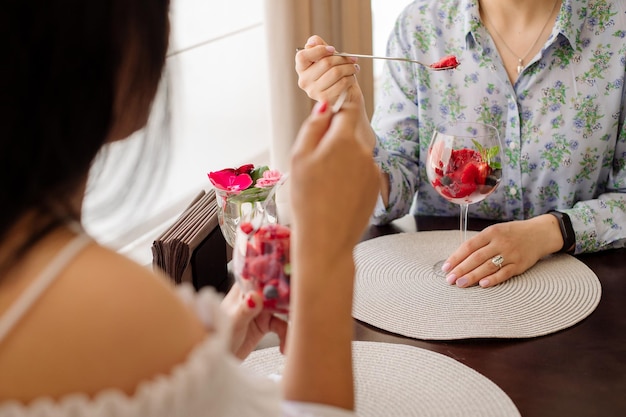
x=561, y=124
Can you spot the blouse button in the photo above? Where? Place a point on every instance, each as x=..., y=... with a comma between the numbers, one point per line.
x=513, y=191
x=512, y=145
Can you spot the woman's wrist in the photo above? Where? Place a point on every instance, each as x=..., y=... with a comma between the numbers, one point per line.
x=566, y=229
x=551, y=233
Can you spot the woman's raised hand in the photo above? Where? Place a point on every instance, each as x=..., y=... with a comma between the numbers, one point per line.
x=334, y=178
x=322, y=75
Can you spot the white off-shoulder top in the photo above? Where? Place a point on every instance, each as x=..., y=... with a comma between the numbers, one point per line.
x=210, y=382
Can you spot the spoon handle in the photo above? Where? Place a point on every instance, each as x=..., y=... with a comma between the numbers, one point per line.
x=388, y=58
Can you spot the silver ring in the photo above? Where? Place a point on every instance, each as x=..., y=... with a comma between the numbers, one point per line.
x=498, y=261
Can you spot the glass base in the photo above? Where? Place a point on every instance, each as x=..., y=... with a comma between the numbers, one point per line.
x=437, y=269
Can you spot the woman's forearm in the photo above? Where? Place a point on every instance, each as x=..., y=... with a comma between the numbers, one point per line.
x=319, y=356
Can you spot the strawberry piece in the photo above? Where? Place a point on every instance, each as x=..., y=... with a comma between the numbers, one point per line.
x=458, y=190
x=246, y=227
x=449, y=61
x=257, y=266
x=462, y=157
x=469, y=173
x=483, y=172
x=465, y=189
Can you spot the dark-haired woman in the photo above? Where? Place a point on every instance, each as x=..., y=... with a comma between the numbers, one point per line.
x=85, y=331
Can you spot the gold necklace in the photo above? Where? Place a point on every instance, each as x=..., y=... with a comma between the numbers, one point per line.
x=520, y=60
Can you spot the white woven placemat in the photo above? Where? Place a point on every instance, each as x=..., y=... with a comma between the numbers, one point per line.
x=400, y=380
x=396, y=290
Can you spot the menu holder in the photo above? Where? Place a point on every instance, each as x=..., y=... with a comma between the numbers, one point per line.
x=193, y=249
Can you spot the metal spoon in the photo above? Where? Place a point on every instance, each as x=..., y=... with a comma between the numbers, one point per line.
x=346, y=54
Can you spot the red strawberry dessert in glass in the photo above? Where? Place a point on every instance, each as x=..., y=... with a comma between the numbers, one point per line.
x=464, y=165
x=468, y=175
x=261, y=263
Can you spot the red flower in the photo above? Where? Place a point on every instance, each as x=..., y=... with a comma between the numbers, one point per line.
x=244, y=169
x=232, y=179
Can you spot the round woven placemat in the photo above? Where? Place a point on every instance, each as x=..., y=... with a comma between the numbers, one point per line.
x=401, y=380
x=397, y=290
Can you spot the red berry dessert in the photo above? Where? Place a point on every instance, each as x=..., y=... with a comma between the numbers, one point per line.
x=449, y=61
x=263, y=264
x=465, y=175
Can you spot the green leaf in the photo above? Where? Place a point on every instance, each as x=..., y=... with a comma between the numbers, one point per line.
x=478, y=146
x=487, y=154
x=250, y=195
x=257, y=173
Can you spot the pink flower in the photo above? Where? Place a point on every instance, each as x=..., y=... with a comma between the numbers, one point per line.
x=270, y=177
x=232, y=179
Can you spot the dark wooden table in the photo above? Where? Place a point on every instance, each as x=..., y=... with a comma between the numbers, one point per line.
x=580, y=371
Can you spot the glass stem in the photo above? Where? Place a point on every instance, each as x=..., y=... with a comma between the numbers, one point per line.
x=463, y=228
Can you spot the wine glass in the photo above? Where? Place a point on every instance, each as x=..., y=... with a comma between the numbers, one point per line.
x=464, y=165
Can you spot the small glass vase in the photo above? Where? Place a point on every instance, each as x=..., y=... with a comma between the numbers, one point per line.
x=233, y=206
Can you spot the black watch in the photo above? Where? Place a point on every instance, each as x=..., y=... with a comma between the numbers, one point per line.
x=567, y=231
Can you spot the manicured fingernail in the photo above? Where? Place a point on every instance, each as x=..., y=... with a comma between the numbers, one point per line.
x=251, y=302
x=330, y=49
x=445, y=267
x=357, y=67
x=451, y=279
x=484, y=282
x=461, y=282
x=320, y=107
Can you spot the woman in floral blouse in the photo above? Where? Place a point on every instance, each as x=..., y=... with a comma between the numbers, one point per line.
x=549, y=75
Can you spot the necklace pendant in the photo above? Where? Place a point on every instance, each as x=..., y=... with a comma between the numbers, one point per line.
x=520, y=67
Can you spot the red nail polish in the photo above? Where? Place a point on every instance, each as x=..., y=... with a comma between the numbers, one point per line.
x=251, y=302
x=321, y=107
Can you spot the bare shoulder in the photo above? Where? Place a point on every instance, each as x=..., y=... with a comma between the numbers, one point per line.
x=105, y=322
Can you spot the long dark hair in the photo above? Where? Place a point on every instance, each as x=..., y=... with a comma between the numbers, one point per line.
x=63, y=62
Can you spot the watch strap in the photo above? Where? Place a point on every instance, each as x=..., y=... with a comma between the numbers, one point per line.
x=567, y=231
